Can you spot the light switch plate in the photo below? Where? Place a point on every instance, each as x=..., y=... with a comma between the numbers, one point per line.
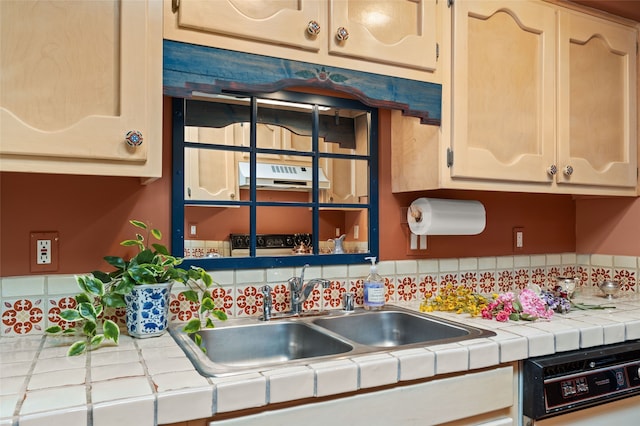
x=518, y=239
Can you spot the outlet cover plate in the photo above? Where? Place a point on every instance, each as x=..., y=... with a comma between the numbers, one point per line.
x=35, y=248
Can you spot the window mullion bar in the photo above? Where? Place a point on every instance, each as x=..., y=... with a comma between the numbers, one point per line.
x=253, y=143
x=315, y=198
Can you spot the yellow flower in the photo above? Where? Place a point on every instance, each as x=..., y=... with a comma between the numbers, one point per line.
x=454, y=299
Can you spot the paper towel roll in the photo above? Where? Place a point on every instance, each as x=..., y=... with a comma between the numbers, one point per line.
x=435, y=216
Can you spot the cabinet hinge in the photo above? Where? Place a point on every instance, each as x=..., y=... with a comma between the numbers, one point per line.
x=449, y=157
x=437, y=51
x=449, y=3
x=175, y=5
x=189, y=191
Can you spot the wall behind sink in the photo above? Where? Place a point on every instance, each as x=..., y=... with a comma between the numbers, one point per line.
x=90, y=213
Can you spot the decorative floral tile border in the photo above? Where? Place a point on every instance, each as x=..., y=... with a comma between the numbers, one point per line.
x=28, y=307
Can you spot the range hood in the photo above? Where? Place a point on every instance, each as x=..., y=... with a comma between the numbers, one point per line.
x=281, y=176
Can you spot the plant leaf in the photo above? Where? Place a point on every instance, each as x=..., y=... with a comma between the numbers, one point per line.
x=82, y=298
x=145, y=256
x=156, y=234
x=53, y=329
x=77, y=348
x=221, y=315
x=70, y=315
x=161, y=249
x=128, y=243
x=112, y=300
x=116, y=261
x=192, y=326
x=138, y=224
x=111, y=330
x=82, y=283
x=142, y=274
x=207, y=305
x=87, y=311
x=94, y=286
x=209, y=323
x=89, y=328
x=198, y=340
x=69, y=331
x=191, y=296
x=96, y=340
x=102, y=276
x=124, y=286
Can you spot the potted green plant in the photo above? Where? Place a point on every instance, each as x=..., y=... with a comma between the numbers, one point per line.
x=142, y=285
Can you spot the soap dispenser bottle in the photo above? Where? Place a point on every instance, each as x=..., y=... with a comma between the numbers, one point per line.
x=373, y=288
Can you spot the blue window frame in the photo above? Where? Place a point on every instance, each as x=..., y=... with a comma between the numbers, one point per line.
x=186, y=112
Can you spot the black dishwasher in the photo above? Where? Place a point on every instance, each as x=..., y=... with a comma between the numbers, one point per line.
x=563, y=383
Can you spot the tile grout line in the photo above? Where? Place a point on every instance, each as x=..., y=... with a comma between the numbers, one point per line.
x=25, y=384
x=88, y=390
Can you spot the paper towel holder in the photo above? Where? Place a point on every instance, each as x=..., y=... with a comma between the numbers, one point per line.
x=438, y=216
x=415, y=213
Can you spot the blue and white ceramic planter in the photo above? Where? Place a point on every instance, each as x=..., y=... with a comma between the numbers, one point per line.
x=148, y=309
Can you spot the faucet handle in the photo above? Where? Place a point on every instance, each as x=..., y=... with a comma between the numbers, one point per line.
x=267, y=302
x=348, y=301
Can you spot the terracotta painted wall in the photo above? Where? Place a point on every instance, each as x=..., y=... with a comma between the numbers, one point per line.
x=91, y=213
x=608, y=226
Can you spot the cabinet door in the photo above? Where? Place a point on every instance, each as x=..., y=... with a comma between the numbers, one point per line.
x=210, y=174
x=399, y=32
x=274, y=21
x=503, y=90
x=76, y=78
x=349, y=177
x=597, y=136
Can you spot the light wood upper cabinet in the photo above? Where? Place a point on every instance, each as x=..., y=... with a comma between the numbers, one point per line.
x=76, y=78
x=349, y=177
x=211, y=174
x=542, y=99
x=272, y=21
x=504, y=90
x=597, y=136
x=396, y=37
x=399, y=32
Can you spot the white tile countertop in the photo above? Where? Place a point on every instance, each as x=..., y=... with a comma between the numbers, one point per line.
x=151, y=382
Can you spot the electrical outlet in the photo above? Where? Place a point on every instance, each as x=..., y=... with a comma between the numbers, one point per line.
x=44, y=251
x=518, y=239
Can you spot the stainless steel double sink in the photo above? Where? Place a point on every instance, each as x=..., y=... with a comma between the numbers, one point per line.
x=249, y=345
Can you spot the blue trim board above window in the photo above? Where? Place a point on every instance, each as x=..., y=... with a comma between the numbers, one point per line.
x=189, y=68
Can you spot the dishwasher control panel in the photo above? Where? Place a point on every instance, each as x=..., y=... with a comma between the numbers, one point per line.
x=570, y=381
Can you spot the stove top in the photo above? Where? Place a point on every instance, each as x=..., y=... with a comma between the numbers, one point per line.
x=270, y=241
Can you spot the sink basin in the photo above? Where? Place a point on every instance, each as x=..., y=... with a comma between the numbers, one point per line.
x=393, y=328
x=245, y=347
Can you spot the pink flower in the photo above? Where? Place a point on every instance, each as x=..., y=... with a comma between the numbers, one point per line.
x=502, y=316
x=534, y=306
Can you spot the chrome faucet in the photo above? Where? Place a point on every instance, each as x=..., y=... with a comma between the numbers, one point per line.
x=300, y=290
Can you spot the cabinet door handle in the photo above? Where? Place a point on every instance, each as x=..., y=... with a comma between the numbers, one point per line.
x=568, y=170
x=552, y=170
x=313, y=28
x=134, y=138
x=342, y=34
